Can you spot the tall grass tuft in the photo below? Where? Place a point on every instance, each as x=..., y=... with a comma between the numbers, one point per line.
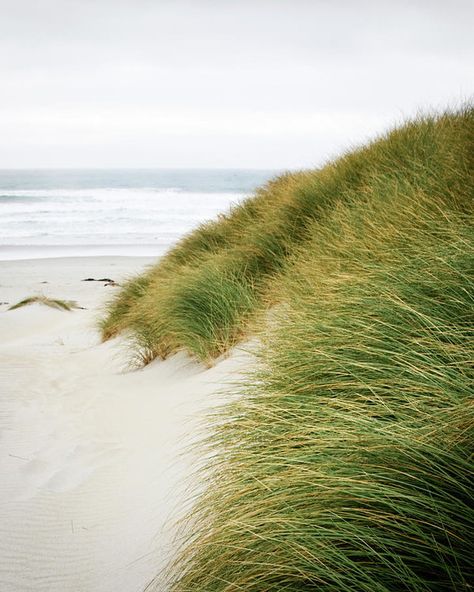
x=51, y=302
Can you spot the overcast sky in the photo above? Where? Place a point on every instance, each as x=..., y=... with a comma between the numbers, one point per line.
x=220, y=83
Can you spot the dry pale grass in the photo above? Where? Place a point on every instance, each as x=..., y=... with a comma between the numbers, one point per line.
x=52, y=302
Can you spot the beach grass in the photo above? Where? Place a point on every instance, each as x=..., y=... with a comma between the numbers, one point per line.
x=343, y=462
x=250, y=246
x=51, y=302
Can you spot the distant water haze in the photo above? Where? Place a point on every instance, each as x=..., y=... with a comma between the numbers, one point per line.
x=103, y=212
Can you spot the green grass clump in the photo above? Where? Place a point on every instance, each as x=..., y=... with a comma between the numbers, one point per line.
x=117, y=319
x=52, y=302
x=344, y=462
x=198, y=310
x=231, y=259
x=263, y=233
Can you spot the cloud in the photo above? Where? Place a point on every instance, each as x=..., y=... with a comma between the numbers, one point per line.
x=180, y=81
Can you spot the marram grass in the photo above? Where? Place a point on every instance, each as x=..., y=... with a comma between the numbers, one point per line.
x=248, y=249
x=345, y=464
x=51, y=302
x=344, y=461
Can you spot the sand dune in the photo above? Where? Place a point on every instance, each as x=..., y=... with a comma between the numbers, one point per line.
x=91, y=474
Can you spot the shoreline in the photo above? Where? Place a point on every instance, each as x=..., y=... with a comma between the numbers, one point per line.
x=34, y=252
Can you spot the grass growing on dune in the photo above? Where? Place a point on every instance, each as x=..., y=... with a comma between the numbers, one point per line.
x=248, y=249
x=344, y=464
x=52, y=302
x=222, y=268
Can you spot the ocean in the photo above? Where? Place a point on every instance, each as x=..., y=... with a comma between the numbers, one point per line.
x=57, y=213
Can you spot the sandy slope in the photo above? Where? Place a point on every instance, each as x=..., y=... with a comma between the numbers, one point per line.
x=90, y=473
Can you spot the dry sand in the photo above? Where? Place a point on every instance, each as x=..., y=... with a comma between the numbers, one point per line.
x=91, y=475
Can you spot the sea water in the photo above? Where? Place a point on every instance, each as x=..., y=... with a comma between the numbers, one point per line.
x=55, y=213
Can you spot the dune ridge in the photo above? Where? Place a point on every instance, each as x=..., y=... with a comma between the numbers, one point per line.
x=343, y=463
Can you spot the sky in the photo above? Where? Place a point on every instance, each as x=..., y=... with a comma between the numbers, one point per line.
x=275, y=84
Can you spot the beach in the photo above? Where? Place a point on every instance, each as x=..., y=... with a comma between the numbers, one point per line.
x=316, y=335
x=90, y=449
x=236, y=296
